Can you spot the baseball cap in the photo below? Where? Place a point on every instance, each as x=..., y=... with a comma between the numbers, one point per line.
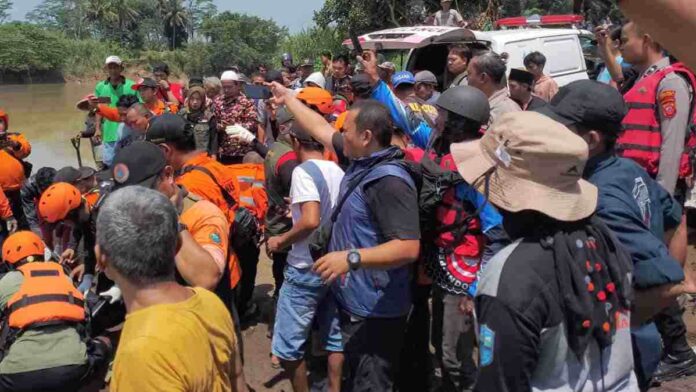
x=426, y=77
x=403, y=77
x=138, y=164
x=67, y=174
x=300, y=133
x=316, y=78
x=588, y=103
x=532, y=163
x=306, y=63
x=146, y=82
x=361, y=85
x=168, y=128
x=230, y=76
x=113, y=60
x=283, y=115
x=388, y=65
x=522, y=76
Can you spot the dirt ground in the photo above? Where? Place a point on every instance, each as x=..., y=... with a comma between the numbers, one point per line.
x=257, y=346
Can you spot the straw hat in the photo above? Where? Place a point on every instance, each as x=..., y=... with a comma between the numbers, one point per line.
x=534, y=163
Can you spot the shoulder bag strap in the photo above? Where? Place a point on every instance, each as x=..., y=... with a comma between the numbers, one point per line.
x=228, y=198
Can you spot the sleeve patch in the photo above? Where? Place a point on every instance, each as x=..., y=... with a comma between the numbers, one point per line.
x=668, y=103
x=486, y=345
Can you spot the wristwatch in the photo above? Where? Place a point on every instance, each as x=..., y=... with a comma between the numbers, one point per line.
x=354, y=259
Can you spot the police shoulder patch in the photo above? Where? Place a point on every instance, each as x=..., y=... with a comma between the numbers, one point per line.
x=668, y=103
x=486, y=345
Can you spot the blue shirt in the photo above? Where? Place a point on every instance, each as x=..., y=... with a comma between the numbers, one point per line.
x=638, y=210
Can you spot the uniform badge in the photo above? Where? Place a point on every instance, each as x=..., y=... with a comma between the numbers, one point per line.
x=668, y=103
x=215, y=237
x=121, y=173
x=487, y=345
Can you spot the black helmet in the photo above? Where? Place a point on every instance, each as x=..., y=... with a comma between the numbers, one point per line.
x=466, y=101
x=286, y=57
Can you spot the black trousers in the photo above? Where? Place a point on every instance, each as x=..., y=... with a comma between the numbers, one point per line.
x=672, y=329
x=279, y=262
x=15, y=199
x=248, y=255
x=372, y=349
x=415, y=369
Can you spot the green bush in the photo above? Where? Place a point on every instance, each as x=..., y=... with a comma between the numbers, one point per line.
x=28, y=48
x=310, y=43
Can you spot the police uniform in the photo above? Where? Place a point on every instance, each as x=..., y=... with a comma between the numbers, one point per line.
x=673, y=104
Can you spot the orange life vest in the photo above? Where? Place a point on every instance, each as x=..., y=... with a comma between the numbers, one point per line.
x=641, y=139
x=45, y=296
x=249, y=187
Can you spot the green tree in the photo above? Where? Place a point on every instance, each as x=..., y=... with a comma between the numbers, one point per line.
x=241, y=39
x=5, y=8
x=176, y=21
x=309, y=43
x=199, y=10
x=63, y=15
x=28, y=48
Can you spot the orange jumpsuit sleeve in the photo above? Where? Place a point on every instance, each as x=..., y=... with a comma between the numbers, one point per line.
x=109, y=113
x=5, y=210
x=173, y=108
x=24, y=146
x=209, y=228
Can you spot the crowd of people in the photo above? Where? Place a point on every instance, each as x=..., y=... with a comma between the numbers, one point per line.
x=485, y=210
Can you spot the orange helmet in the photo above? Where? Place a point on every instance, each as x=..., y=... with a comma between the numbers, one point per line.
x=21, y=245
x=317, y=97
x=57, y=201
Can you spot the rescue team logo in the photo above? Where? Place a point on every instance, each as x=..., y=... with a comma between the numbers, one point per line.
x=486, y=345
x=215, y=237
x=668, y=103
x=121, y=173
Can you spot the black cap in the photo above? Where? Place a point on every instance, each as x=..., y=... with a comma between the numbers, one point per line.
x=147, y=82
x=361, y=85
x=274, y=76
x=306, y=63
x=589, y=104
x=301, y=134
x=138, y=164
x=522, y=76
x=168, y=128
x=283, y=115
x=67, y=174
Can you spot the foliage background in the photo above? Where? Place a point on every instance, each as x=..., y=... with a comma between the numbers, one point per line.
x=73, y=37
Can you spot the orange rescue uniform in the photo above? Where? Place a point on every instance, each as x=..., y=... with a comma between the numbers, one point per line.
x=5, y=210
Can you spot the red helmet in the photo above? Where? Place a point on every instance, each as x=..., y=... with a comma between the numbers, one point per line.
x=318, y=98
x=21, y=245
x=57, y=201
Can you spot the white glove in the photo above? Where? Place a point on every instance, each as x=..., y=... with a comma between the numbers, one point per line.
x=114, y=294
x=240, y=133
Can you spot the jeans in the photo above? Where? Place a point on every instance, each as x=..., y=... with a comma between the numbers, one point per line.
x=454, y=339
x=303, y=298
x=372, y=348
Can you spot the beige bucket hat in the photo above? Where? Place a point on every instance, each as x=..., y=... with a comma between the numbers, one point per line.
x=534, y=163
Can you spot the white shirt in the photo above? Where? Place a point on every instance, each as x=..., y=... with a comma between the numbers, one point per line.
x=314, y=180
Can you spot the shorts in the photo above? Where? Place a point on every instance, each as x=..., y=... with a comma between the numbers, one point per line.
x=302, y=297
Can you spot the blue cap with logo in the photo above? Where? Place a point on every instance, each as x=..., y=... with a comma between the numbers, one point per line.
x=403, y=77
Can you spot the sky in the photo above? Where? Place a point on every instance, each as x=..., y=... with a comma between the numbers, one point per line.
x=293, y=14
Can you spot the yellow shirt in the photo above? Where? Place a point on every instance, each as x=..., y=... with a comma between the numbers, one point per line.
x=188, y=346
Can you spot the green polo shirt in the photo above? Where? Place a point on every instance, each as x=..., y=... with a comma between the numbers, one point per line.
x=44, y=348
x=105, y=89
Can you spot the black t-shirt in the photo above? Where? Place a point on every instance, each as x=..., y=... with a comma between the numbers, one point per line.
x=394, y=205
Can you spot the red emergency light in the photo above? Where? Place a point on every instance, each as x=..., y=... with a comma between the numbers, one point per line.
x=536, y=20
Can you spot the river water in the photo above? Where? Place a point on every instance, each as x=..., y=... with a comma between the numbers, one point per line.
x=46, y=115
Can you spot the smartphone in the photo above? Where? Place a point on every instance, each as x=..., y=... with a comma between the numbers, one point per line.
x=106, y=100
x=357, y=48
x=257, y=92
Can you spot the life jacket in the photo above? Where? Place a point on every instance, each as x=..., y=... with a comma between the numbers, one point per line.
x=641, y=139
x=91, y=198
x=452, y=240
x=249, y=187
x=45, y=297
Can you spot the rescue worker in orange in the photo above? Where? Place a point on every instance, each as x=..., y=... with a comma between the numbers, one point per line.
x=44, y=315
x=14, y=171
x=202, y=176
x=657, y=136
x=9, y=223
x=67, y=219
x=147, y=89
x=204, y=230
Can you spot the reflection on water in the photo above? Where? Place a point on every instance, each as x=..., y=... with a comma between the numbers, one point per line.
x=46, y=115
